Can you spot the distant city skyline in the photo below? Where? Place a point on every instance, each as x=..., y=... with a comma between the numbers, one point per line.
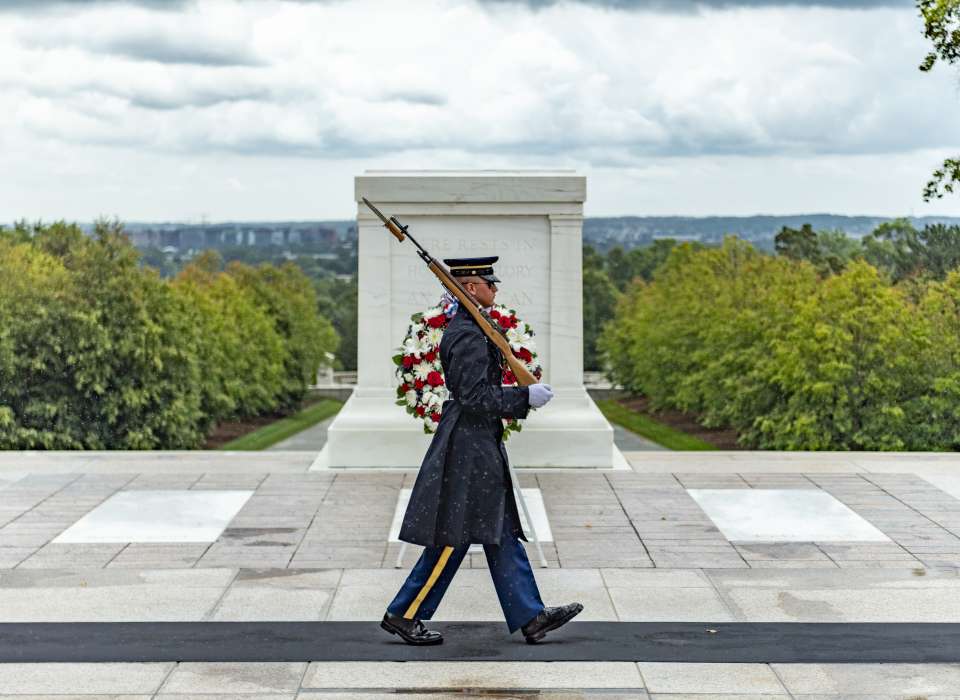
x=239, y=110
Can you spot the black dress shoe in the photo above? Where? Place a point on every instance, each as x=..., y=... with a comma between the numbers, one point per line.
x=411, y=629
x=549, y=619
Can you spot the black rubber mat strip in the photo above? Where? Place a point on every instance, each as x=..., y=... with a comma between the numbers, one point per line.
x=723, y=642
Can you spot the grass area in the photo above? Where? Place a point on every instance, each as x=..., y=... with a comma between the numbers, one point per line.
x=647, y=427
x=268, y=435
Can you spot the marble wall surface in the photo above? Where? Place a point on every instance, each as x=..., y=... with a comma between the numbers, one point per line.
x=533, y=222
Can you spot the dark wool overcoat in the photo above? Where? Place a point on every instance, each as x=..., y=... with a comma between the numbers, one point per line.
x=464, y=486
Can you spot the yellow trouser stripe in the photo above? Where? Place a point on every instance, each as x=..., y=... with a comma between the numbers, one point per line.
x=434, y=575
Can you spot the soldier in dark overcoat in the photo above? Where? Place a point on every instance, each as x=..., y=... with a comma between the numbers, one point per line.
x=463, y=493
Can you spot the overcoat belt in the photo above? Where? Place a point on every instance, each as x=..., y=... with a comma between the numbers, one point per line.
x=464, y=485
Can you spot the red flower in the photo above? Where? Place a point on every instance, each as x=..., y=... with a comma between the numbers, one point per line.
x=524, y=354
x=437, y=321
x=494, y=313
x=435, y=417
x=508, y=377
x=404, y=388
x=408, y=361
x=430, y=356
x=504, y=321
x=418, y=384
x=513, y=321
x=435, y=379
x=421, y=410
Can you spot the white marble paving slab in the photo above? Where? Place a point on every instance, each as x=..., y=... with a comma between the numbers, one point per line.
x=945, y=482
x=532, y=496
x=784, y=515
x=8, y=478
x=158, y=516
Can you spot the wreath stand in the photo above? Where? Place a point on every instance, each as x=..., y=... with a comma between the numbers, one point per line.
x=526, y=512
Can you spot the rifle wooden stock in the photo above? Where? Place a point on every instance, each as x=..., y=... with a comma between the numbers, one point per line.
x=395, y=230
x=517, y=366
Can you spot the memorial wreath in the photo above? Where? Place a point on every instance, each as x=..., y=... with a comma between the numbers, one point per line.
x=421, y=389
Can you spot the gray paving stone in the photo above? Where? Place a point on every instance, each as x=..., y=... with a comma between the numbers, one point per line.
x=11, y=556
x=108, y=595
x=162, y=482
x=663, y=677
x=230, y=696
x=249, y=677
x=99, y=679
x=476, y=674
x=781, y=551
x=97, y=696
x=158, y=555
x=264, y=603
x=221, y=481
x=669, y=605
x=698, y=560
x=72, y=555
x=866, y=679
x=724, y=696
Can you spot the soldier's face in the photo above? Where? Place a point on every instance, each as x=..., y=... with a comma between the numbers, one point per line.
x=481, y=290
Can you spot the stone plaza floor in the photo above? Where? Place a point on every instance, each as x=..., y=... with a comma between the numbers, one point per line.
x=722, y=538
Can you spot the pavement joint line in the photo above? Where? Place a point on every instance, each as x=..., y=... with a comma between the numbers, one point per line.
x=783, y=683
x=633, y=526
x=908, y=506
x=223, y=594
x=44, y=500
x=165, y=679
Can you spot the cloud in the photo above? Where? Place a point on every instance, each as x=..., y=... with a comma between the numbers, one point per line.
x=564, y=82
x=692, y=5
x=44, y=5
x=175, y=49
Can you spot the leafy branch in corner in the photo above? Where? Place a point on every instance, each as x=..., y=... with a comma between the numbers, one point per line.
x=941, y=25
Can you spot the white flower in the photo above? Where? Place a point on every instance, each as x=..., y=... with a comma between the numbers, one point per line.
x=416, y=346
x=422, y=369
x=431, y=426
x=411, y=397
x=433, y=336
x=432, y=313
x=515, y=336
x=408, y=377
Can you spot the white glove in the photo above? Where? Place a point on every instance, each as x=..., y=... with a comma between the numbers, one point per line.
x=540, y=394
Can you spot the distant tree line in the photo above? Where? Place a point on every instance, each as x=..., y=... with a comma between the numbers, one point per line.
x=831, y=344
x=99, y=352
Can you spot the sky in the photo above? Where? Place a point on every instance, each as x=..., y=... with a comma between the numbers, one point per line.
x=247, y=110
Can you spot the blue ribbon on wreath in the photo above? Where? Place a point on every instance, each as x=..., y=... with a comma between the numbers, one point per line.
x=449, y=304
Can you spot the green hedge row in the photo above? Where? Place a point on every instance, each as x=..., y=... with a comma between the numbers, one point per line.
x=793, y=360
x=97, y=352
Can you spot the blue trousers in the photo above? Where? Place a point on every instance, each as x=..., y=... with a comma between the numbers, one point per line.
x=510, y=569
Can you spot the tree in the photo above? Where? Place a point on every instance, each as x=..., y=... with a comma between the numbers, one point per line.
x=847, y=369
x=904, y=252
x=797, y=244
x=939, y=409
x=941, y=25
x=288, y=297
x=99, y=354
x=337, y=302
x=599, y=303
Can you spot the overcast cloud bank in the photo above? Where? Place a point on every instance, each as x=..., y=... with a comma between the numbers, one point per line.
x=618, y=92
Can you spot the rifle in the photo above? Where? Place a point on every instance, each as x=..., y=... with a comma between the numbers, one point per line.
x=487, y=325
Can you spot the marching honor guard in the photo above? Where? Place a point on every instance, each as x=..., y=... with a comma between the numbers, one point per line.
x=463, y=492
